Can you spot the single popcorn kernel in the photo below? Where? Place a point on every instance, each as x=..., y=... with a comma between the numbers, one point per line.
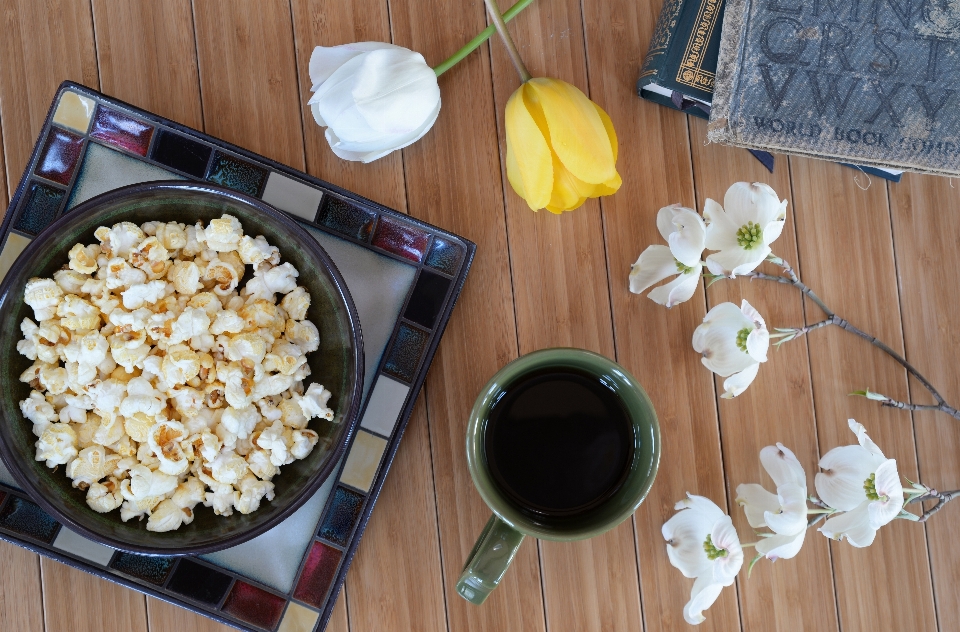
x=161, y=383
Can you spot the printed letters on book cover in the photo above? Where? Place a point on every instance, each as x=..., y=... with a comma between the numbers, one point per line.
x=874, y=82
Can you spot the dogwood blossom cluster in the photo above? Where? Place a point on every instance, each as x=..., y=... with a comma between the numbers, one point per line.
x=860, y=491
x=159, y=382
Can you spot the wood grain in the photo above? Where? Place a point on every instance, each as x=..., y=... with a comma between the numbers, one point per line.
x=846, y=255
x=148, y=57
x=5, y=194
x=453, y=180
x=796, y=594
x=926, y=226
x=41, y=46
x=248, y=76
x=331, y=23
x=21, y=604
x=162, y=616
x=75, y=601
x=338, y=621
x=395, y=580
x=562, y=299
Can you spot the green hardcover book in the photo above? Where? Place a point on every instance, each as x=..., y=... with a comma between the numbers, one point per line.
x=681, y=63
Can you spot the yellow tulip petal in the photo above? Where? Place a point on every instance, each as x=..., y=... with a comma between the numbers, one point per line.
x=610, y=187
x=611, y=133
x=557, y=210
x=577, y=132
x=569, y=191
x=513, y=174
x=531, y=154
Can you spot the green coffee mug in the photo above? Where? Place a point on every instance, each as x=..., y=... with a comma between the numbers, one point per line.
x=500, y=539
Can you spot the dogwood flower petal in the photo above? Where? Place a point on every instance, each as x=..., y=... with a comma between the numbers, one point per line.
x=751, y=218
x=853, y=525
x=703, y=595
x=845, y=468
x=890, y=490
x=781, y=547
x=716, y=340
x=686, y=531
x=679, y=290
x=756, y=503
x=686, y=235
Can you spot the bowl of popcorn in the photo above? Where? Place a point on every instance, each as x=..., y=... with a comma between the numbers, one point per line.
x=182, y=368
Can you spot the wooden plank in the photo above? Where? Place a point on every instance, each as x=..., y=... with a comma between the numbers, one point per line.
x=846, y=256
x=395, y=580
x=21, y=606
x=338, y=618
x=795, y=594
x=165, y=616
x=331, y=23
x=248, y=76
x=652, y=342
x=148, y=57
x=453, y=180
x=5, y=195
x=925, y=230
x=77, y=601
x=562, y=300
x=37, y=52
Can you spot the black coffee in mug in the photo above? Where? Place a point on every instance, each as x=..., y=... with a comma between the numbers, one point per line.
x=559, y=442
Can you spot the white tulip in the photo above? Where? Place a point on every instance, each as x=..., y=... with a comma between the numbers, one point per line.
x=733, y=341
x=372, y=97
x=784, y=513
x=702, y=544
x=751, y=218
x=683, y=229
x=859, y=480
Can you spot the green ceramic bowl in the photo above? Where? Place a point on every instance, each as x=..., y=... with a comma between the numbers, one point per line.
x=338, y=364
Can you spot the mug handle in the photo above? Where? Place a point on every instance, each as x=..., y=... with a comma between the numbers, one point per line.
x=488, y=561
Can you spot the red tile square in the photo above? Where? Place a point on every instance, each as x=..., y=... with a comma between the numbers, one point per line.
x=254, y=605
x=122, y=131
x=59, y=156
x=318, y=573
x=400, y=238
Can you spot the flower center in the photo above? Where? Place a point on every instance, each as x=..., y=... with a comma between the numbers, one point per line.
x=750, y=236
x=682, y=269
x=712, y=551
x=870, y=488
x=742, y=336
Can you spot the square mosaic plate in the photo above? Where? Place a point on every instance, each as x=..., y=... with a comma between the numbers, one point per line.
x=404, y=276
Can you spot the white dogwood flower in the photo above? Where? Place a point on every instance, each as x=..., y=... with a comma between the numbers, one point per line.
x=683, y=229
x=860, y=481
x=733, y=341
x=784, y=513
x=702, y=544
x=751, y=218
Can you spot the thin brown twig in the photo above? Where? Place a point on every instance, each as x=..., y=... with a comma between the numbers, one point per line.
x=942, y=499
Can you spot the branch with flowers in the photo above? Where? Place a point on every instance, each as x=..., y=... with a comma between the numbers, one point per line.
x=859, y=490
x=733, y=341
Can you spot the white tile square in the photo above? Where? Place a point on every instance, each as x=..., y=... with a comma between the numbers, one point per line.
x=6, y=477
x=384, y=407
x=11, y=250
x=76, y=544
x=291, y=196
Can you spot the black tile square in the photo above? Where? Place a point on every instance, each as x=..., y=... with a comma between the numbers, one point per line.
x=148, y=568
x=40, y=209
x=181, y=153
x=404, y=357
x=26, y=518
x=427, y=299
x=199, y=582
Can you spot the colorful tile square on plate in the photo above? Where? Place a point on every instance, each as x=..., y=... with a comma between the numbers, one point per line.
x=404, y=277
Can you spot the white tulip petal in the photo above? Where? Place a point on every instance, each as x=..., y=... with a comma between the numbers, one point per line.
x=781, y=547
x=655, y=264
x=738, y=382
x=863, y=439
x=731, y=262
x=677, y=291
x=334, y=97
x=853, y=525
x=757, y=203
x=791, y=516
x=703, y=595
x=325, y=60
x=724, y=536
x=756, y=501
x=846, y=468
x=782, y=466
x=315, y=110
x=686, y=532
x=395, y=91
x=368, y=152
x=687, y=240
x=888, y=485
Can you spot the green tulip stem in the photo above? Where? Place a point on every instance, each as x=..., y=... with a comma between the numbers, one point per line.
x=484, y=35
x=494, y=12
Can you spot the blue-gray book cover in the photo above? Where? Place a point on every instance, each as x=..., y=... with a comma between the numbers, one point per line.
x=873, y=82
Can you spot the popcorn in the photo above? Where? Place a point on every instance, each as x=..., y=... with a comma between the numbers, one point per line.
x=160, y=383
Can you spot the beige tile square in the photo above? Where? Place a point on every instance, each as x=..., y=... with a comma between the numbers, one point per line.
x=74, y=111
x=298, y=619
x=11, y=250
x=363, y=460
x=291, y=196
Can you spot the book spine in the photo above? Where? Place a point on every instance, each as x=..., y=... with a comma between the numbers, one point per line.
x=653, y=63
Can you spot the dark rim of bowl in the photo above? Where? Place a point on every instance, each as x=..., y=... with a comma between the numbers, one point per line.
x=351, y=417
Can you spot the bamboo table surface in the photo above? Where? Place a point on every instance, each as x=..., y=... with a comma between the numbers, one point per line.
x=883, y=255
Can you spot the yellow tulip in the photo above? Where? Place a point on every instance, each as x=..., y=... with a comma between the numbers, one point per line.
x=561, y=147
